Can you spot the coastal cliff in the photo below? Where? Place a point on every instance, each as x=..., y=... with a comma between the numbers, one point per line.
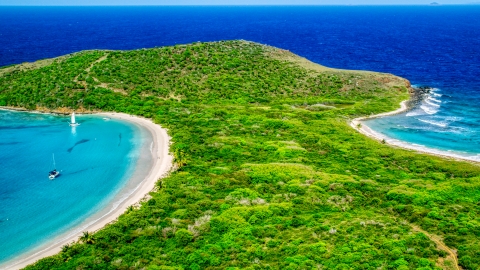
x=269, y=173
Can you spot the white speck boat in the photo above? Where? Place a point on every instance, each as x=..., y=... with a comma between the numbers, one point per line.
x=53, y=174
x=72, y=121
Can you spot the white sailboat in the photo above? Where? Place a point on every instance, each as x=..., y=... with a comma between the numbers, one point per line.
x=72, y=121
x=54, y=173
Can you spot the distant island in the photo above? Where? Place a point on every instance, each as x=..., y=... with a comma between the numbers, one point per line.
x=434, y=4
x=269, y=172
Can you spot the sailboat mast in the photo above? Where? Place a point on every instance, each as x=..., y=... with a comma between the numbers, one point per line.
x=54, y=166
x=73, y=118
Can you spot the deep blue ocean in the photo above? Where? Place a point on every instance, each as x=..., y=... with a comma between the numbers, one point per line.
x=436, y=46
x=431, y=46
x=96, y=159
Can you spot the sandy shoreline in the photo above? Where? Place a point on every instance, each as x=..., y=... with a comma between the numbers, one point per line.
x=162, y=164
x=359, y=125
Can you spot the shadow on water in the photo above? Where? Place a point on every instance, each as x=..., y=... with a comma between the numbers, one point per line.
x=75, y=172
x=120, y=139
x=79, y=142
x=23, y=127
x=67, y=173
x=9, y=143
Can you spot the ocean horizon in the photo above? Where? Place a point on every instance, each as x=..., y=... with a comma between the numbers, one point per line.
x=437, y=47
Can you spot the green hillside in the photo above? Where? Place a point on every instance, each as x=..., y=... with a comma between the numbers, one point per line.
x=269, y=173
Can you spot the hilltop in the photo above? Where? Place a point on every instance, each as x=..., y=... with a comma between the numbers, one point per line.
x=269, y=173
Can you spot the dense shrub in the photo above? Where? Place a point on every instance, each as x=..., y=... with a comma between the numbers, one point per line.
x=269, y=174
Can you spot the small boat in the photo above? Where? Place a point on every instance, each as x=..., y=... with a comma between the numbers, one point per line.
x=53, y=174
x=72, y=122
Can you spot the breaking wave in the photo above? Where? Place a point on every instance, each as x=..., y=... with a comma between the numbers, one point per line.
x=434, y=99
x=435, y=123
x=429, y=109
x=431, y=103
x=413, y=113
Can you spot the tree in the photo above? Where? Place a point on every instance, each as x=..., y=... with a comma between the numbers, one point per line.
x=87, y=238
x=183, y=237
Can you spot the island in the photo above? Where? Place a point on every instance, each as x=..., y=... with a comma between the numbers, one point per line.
x=268, y=173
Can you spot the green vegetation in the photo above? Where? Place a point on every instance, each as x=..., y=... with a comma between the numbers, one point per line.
x=269, y=174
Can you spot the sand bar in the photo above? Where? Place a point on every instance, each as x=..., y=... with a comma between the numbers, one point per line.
x=162, y=164
x=359, y=125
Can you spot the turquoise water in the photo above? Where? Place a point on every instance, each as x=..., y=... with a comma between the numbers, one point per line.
x=430, y=46
x=440, y=121
x=95, y=159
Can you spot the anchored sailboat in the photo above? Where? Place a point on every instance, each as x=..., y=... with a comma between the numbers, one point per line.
x=54, y=173
x=72, y=122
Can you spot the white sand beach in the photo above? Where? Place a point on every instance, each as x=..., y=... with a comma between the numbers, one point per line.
x=162, y=164
x=360, y=125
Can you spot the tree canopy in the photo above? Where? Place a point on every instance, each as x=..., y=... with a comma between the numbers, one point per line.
x=269, y=173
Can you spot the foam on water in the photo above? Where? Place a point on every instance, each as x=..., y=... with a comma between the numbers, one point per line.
x=433, y=99
x=413, y=113
x=439, y=124
x=429, y=107
x=433, y=125
x=428, y=110
x=431, y=103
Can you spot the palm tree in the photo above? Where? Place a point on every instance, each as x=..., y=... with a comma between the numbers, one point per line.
x=180, y=158
x=87, y=238
x=65, y=248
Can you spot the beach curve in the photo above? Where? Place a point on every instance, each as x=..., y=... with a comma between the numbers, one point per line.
x=162, y=165
x=359, y=125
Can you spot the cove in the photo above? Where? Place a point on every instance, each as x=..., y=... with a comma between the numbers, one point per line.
x=99, y=162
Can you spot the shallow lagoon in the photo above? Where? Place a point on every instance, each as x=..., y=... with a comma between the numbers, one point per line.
x=96, y=160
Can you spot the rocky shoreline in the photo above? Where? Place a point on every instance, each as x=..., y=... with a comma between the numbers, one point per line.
x=417, y=95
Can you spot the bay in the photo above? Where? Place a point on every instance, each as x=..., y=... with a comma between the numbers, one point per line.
x=96, y=160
